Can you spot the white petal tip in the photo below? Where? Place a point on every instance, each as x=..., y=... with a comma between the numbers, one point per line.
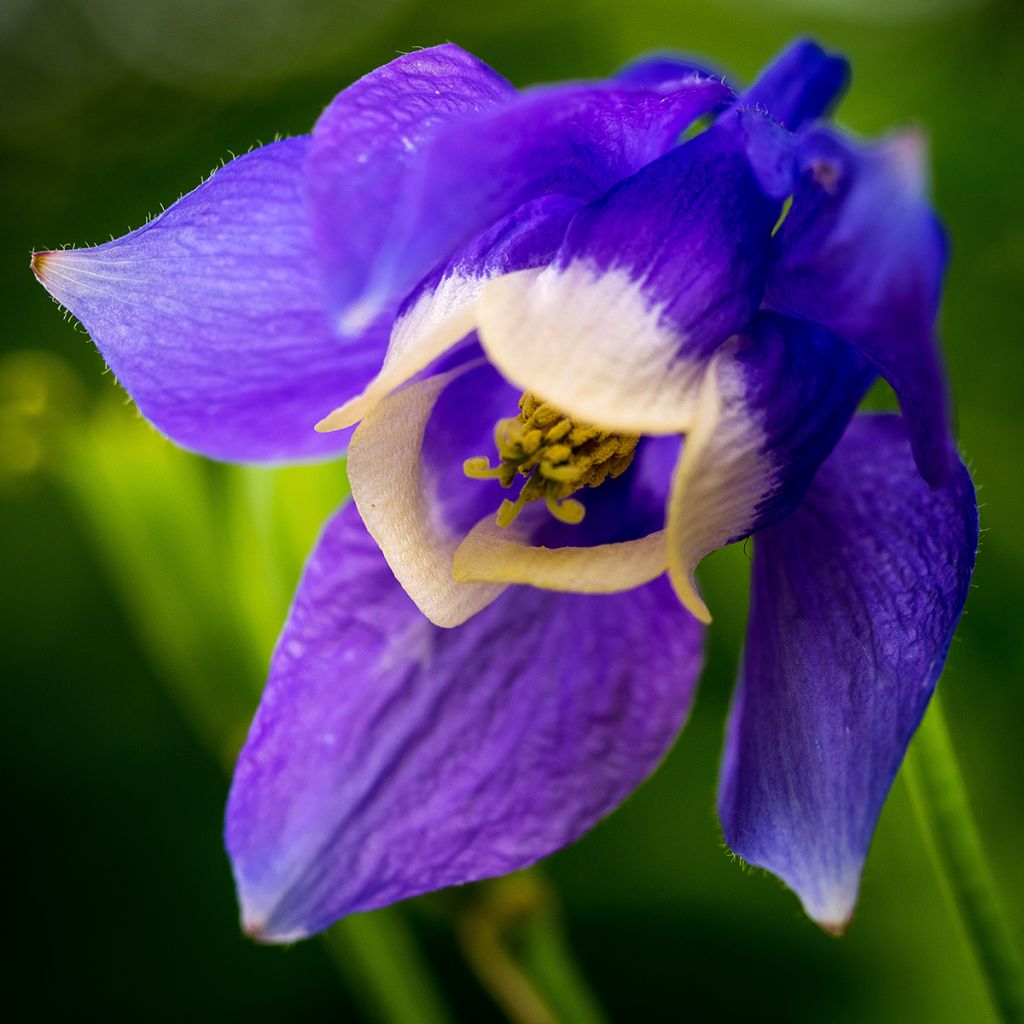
x=832, y=910
x=686, y=591
x=344, y=416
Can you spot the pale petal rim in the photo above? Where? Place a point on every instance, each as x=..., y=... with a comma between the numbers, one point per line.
x=689, y=538
x=437, y=321
x=392, y=495
x=495, y=554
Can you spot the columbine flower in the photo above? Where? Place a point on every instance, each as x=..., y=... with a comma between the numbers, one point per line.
x=528, y=299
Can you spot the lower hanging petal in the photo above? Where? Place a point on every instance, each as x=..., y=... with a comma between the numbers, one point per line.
x=772, y=405
x=855, y=599
x=391, y=758
x=211, y=315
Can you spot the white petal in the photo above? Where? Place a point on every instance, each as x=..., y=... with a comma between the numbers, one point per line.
x=721, y=477
x=395, y=499
x=589, y=342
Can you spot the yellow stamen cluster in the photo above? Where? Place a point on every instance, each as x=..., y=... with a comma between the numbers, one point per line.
x=557, y=456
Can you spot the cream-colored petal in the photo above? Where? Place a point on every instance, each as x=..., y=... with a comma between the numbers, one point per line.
x=437, y=320
x=495, y=554
x=722, y=475
x=395, y=499
x=589, y=342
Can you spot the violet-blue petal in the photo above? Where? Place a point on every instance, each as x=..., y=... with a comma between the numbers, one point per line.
x=211, y=315
x=804, y=384
x=855, y=599
x=391, y=758
x=650, y=279
x=368, y=147
x=802, y=84
x=575, y=141
x=862, y=253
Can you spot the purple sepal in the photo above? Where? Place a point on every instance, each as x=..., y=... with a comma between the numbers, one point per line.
x=802, y=84
x=855, y=599
x=211, y=315
x=390, y=758
x=368, y=147
x=575, y=141
x=862, y=253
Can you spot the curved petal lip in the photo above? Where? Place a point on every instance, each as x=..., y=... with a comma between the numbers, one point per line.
x=391, y=492
x=495, y=554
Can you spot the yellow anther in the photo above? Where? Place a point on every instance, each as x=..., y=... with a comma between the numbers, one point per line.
x=561, y=429
x=557, y=456
x=557, y=453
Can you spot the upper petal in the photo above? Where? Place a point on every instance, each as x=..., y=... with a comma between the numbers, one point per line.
x=390, y=757
x=802, y=84
x=571, y=140
x=774, y=402
x=650, y=279
x=367, y=148
x=862, y=253
x=211, y=315
x=854, y=602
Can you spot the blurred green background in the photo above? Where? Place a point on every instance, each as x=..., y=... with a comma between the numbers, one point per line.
x=143, y=588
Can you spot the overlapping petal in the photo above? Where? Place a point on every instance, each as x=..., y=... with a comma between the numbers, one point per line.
x=390, y=757
x=575, y=140
x=855, y=599
x=650, y=279
x=441, y=310
x=211, y=315
x=862, y=253
x=774, y=402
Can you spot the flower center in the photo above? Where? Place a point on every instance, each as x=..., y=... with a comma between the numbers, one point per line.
x=557, y=455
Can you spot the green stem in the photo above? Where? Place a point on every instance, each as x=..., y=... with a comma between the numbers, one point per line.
x=378, y=955
x=940, y=800
x=513, y=941
x=548, y=959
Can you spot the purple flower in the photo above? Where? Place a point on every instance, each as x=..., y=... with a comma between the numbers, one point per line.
x=584, y=354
